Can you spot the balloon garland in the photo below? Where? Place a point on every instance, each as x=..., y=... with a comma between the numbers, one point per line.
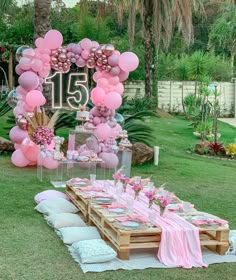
x=112, y=68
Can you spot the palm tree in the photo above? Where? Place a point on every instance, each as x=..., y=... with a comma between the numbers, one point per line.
x=42, y=23
x=5, y=5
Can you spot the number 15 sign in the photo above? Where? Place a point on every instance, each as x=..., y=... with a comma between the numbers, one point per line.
x=68, y=90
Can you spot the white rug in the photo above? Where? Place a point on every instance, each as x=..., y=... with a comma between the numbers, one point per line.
x=147, y=259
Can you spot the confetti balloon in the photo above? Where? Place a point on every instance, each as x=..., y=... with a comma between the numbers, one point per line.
x=12, y=98
x=19, y=52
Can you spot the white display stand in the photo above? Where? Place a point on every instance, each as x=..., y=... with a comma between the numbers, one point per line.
x=125, y=161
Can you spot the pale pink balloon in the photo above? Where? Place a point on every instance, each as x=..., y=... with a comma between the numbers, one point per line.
x=76, y=49
x=37, y=65
x=95, y=44
x=128, y=61
x=115, y=71
x=29, y=80
x=44, y=73
x=97, y=95
x=30, y=53
x=113, y=60
x=45, y=58
x=110, y=160
x=96, y=121
x=123, y=76
x=103, y=131
x=50, y=163
x=18, y=110
x=25, y=63
x=18, y=159
x=96, y=76
x=114, y=80
x=53, y=39
x=30, y=150
x=46, y=51
x=119, y=88
x=21, y=90
x=86, y=44
x=80, y=62
x=95, y=112
x=102, y=82
x=19, y=70
x=39, y=43
x=116, y=130
x=113, y=100
x=51, y=146
x=17, y=146
x=35, y=98
x=116, y=52
x=85, y=54
x=28, y=108
x=17, y=135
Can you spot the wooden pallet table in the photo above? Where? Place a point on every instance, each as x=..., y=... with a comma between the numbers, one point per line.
x=215, y=239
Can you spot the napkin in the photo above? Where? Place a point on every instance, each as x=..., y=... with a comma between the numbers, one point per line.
x=207, y=220
x=115, y=205
x=90, y=188
x=132, y=217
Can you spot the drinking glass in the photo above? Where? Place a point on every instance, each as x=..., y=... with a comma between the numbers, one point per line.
x=92, y=179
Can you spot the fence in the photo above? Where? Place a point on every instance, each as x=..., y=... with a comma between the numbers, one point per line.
x=170, y=94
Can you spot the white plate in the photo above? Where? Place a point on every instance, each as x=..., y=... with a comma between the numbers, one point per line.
x=131, y=224
x=117, y=210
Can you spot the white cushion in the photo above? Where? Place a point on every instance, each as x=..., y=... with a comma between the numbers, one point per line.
x=65, y=220
x=49, y=194
x=70, y=235
x=56, y=206
x=94, y=251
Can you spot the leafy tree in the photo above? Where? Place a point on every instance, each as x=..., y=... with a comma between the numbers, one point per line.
x=223, y=31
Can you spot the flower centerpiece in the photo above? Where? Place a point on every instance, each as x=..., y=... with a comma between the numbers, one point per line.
x=125, y=181
x=151, y=195
x=40, y=128
x=137, y=187
x=117, y=176
x=163, y=200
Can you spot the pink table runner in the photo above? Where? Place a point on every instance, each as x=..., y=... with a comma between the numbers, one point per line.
x=180, y=242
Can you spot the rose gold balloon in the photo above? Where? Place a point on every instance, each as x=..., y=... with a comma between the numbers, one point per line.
x=56, y=54
x=108, y=50
x=99, y=63
x=59, y=63
x=64, y=51
x=104, y=56
x=100, y=59
x=104, y=67
x=92, y=54
x=104, y=61
x=93, y=49
x=62, y=57
x=108, y=68
x=98, y=52
x=54, y=59
x=22, y=123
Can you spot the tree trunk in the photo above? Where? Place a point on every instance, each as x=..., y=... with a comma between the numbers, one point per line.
x=41, y=17
x=42, y=25
x=147, y=16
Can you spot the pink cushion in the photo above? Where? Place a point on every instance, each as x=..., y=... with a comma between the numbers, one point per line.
x=49, y=194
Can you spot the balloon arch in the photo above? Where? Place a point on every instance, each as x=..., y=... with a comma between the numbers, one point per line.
x=112, y=68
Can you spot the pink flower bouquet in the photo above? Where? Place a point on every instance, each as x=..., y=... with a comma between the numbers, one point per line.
x=151, y=195
x=125, y=181
x=118, y=176
x=163, y=200
x=137, y=189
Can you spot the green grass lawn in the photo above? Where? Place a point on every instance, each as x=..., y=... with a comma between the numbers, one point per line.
x=30, y=250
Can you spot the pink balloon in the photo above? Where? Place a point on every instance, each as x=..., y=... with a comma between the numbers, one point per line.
x=113, y=100
x=25, y=63
x=21, y=90
x=17, y=135
x=51, y=146
x=28, y=108
x=45, y=58
x=102, y=82
x=116, y=130
x=85, y=54
x=39, y=43
x=30, y=150
x=97, y=95
x=95, y=112
x=95, y=44
x=96, y=121
x=103, y=131
x=119, y=88
x=123, y=76
x=17, y=146
x=86, y=44
x=37, y=65
x=35, y=98
x=18, y=159
x=19, y=70
x=50, y=163
x=80, y=62
x=114, y=80
x=115, y=71
x=128, y=61
x=53, y=39
x=76, y=49
x=30, y=53
x=113, y=60
x=96, y=76
x=110, y=160
x=18, y=110
x=44, y=73
x=29, y=80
